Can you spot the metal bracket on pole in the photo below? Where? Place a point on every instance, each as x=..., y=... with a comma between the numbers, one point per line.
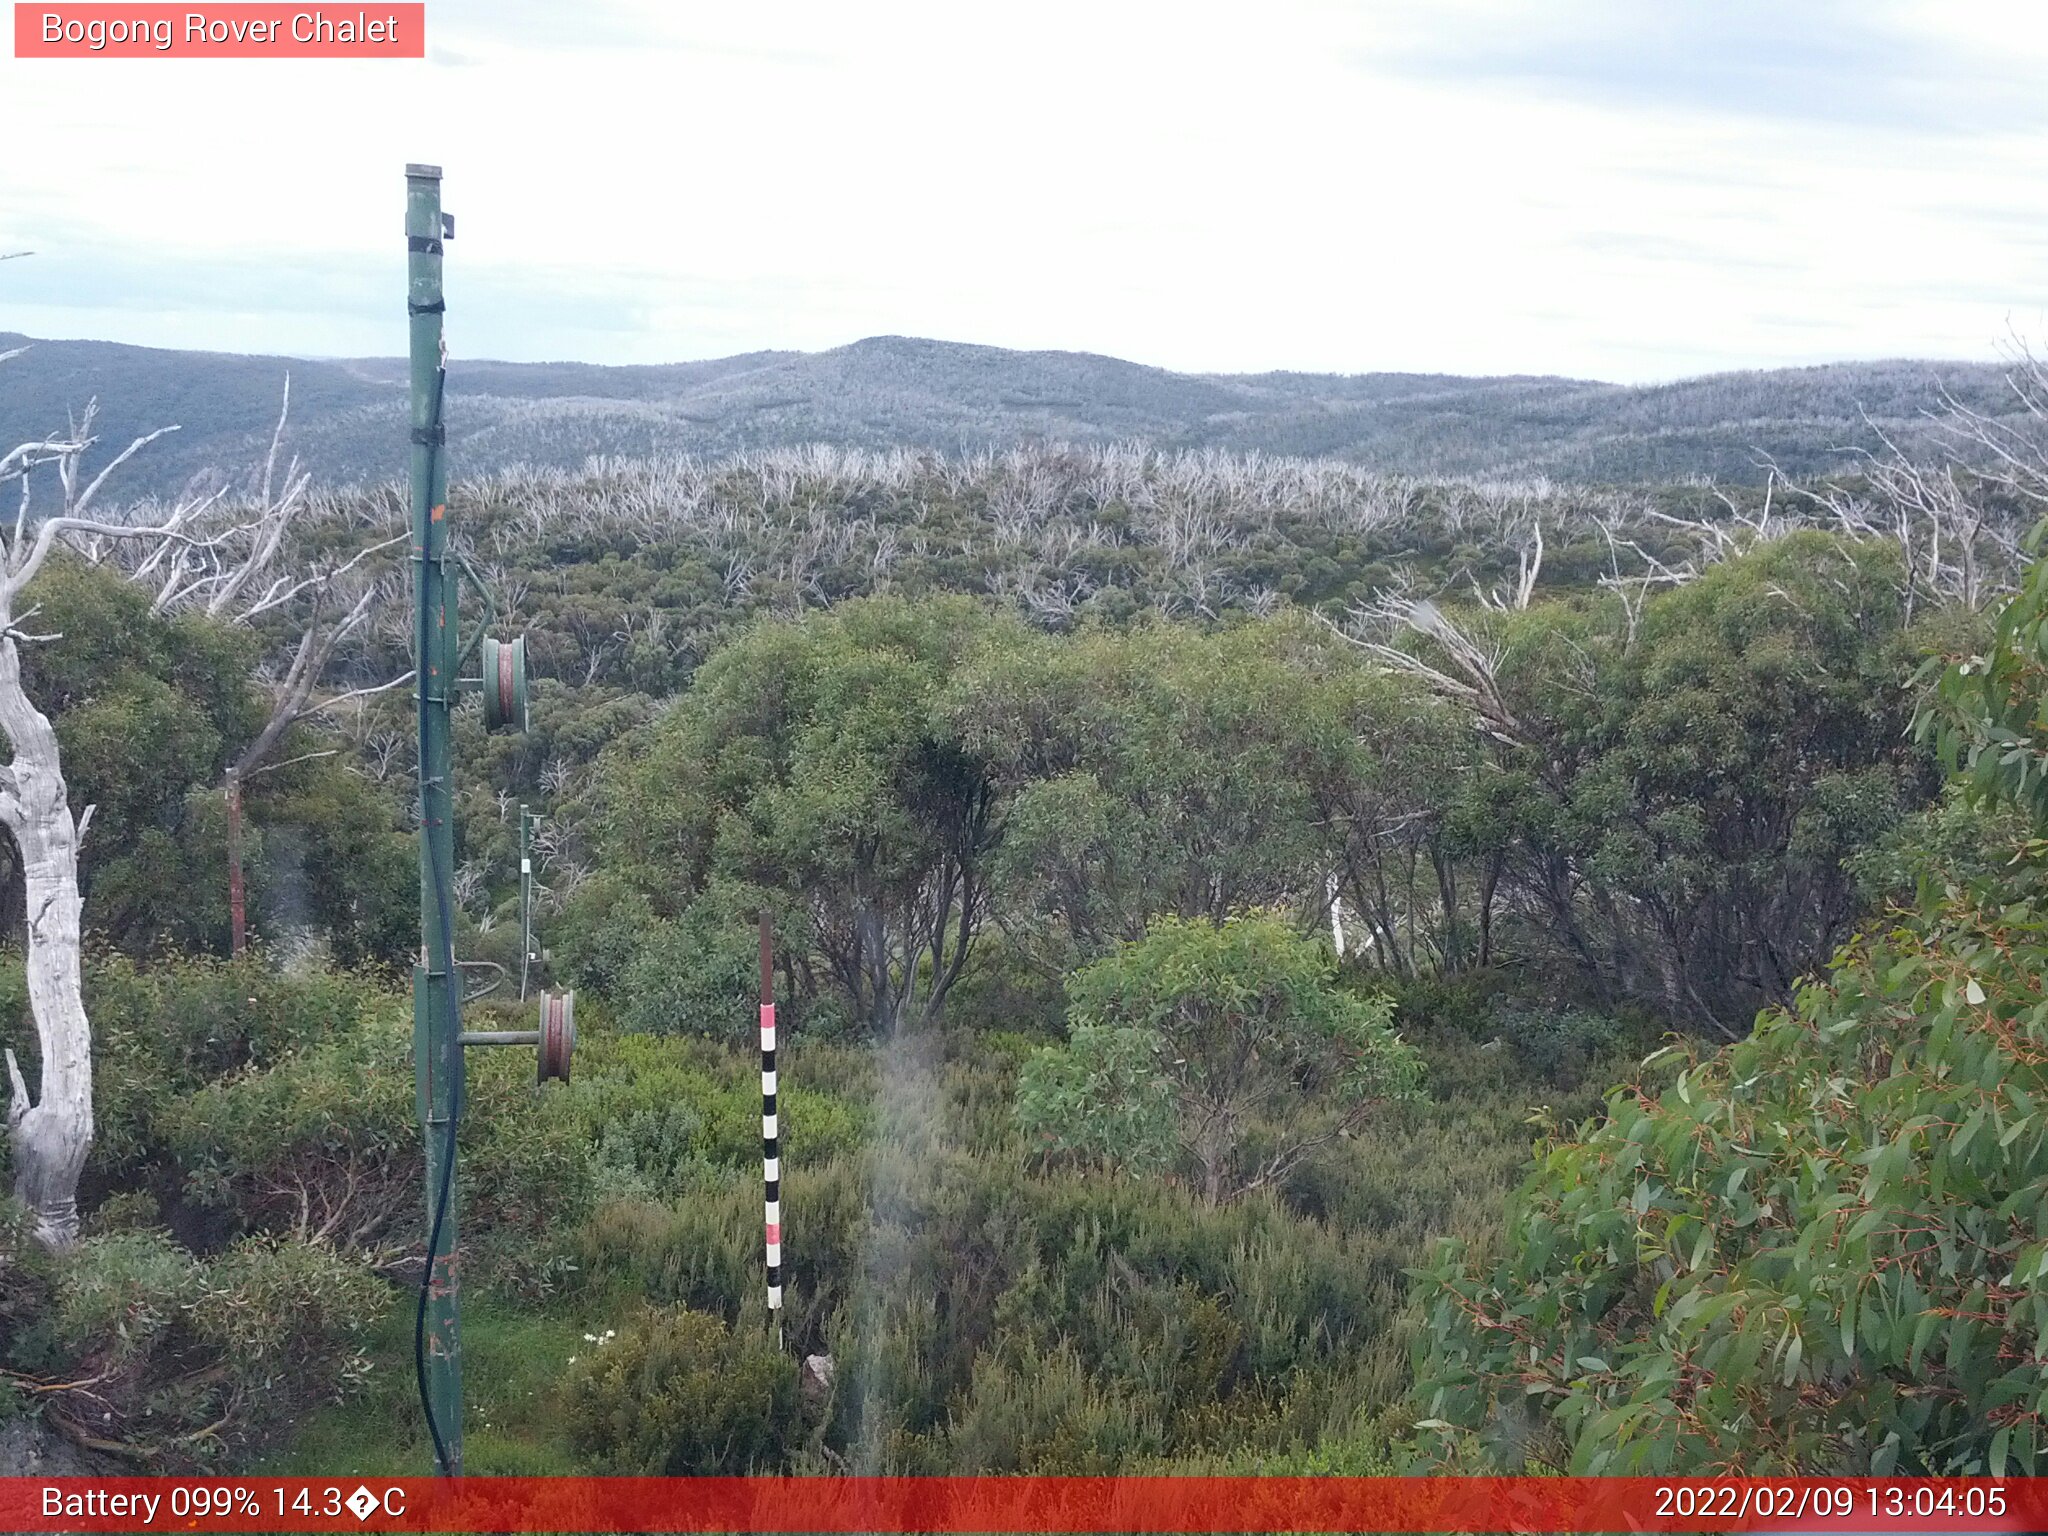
x=554, y=1040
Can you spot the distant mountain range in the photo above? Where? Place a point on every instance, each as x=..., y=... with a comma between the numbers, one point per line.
x=348, y=416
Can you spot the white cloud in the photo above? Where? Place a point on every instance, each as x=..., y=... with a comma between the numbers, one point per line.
x=1591, y=186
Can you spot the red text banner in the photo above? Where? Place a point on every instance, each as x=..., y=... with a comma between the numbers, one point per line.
x=233, y=31
x=1023, y=1504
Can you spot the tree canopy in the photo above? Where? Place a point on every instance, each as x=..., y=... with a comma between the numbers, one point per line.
x=1826, y=1245
x=1225, y=1047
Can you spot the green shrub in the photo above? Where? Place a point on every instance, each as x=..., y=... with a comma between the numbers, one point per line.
x=28, y=1282
x=120, y=1294
x=678, y=1393
x=1001, y=989
x=182, y=1360
x=598, y=932
x=655, y=1108
x=1559, y=1044
x=697, y=975
x=1817, y=1250
x=1226, y=1047
x=1459, y=1002
x=168, y=1028
x=287, y=1315
x=705, y=1250
x=324, y=1146
x=130, y=1210
x=1100, y=1101
x=1045, y=1415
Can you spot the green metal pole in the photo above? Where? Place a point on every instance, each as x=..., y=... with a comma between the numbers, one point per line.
x=437, y=1054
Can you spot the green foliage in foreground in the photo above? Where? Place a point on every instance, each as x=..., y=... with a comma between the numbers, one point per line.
x=985, y=1312
x=254, y=1191
x=982, y=1313
x=1989, y=710
x=165, y=1032
x=1821, y=1248
x=1826, y=1247
x=182, y=1357
x=677, y=1393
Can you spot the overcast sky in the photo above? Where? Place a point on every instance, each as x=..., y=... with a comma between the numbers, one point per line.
x=1621, y=189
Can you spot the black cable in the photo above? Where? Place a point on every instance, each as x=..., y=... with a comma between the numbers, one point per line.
x=439, y=880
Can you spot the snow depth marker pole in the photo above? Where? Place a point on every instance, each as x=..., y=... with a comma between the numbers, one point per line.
x=771, y=1158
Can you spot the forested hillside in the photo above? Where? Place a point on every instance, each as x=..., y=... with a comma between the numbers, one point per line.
x=894, y=392
x=1203, y=882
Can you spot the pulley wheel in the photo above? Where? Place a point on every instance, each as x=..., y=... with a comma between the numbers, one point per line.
x=504, y=668
x=557, y=1034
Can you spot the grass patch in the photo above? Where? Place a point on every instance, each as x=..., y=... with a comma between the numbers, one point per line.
x=513, y=1364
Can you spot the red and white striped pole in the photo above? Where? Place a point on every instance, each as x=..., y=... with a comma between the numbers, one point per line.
x=771, y=1158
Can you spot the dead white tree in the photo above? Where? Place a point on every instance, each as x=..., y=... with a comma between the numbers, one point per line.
x=50, y=1131
x=1959, y=540
x=1634, y=586
x=1470, y=674
x=1529, y=560
x=206, y=553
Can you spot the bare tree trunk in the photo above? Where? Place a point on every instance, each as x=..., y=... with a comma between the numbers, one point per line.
x=51, y=1135
x=1487, y=886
